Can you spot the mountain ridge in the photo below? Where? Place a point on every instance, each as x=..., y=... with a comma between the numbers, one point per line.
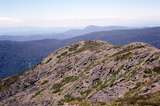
x=16, y=51
x=87, y=73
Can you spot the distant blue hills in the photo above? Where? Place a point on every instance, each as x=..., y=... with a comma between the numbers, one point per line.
x=18, y=54
x=29, y=33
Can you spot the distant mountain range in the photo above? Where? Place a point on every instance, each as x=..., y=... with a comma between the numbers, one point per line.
x=26, y=31
x=89, y=29
x=120, y=37
x=40, y=34
x=17, y=56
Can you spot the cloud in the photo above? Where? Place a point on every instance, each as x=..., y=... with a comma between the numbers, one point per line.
x=8, y=21
x=73, y=22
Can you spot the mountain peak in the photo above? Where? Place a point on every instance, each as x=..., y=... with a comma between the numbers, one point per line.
x=87, y=73
x=91, y=26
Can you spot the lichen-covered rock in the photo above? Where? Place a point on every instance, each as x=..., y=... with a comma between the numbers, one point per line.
x=89, y=73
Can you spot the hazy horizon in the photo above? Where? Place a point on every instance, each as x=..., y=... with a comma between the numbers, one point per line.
x=79, y=13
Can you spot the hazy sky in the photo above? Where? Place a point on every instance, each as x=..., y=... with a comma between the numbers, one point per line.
x=79, y=12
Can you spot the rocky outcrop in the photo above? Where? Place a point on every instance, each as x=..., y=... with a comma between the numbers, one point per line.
x=89, y=73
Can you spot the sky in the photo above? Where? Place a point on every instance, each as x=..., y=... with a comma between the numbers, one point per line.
x=64, y=13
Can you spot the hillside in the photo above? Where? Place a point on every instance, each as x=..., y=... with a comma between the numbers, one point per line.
x=125, y=36
x=16, y=57
x=87, y=73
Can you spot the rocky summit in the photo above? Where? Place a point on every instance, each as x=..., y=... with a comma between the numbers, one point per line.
x=89, y=73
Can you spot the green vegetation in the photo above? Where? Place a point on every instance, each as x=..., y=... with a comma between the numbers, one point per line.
x=97, y=84
x=93, y=45
x=5, y=84
x=123, y=56
x=89, y=45
x=57, y=87
x=69, y=79
x=130, y=48
x=144, y=100
x=76, y=102
x=48, y=60
x=135, y=90
x=148, y=71
x=37, y=93
x=69, y=66
x=63, y=54
x=44, y=82
x=73, y=47
x=86, y=93
x=84, y=103
x=89, y=66
x=130, y=73
x=151, y=72
x=108, y=82
x=68, y=98
x=127, y=50
x=156, y=69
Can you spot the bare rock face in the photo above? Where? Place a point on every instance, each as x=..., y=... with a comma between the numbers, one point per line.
x=89, y=73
